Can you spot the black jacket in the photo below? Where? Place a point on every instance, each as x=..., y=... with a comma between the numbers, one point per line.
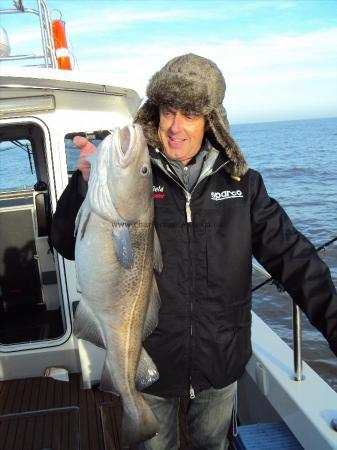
x=208, y=239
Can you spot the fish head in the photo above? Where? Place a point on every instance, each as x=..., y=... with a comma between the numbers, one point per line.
x=129, y=174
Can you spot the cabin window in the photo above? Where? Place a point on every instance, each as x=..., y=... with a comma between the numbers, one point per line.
x=16, y=155
x=31, y=309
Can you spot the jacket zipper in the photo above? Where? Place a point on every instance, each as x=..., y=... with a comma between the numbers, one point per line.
x=189, y=220
x=189, y=230
x=188, y=207
x=192, y=393
x=188, y=196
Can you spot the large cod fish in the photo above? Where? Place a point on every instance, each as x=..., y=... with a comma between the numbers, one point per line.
x=115, y=254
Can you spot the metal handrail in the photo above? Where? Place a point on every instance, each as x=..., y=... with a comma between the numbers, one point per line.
x=48, y=48
x=297, y=330
x=297, y=341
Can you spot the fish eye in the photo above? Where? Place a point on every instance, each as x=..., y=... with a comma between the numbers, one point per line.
x=144, y=170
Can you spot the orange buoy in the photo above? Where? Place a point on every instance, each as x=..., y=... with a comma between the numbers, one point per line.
x=60, y=43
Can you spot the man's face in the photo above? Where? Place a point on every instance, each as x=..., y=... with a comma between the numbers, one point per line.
x=181, y=134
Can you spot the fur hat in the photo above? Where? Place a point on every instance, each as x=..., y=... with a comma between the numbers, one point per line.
x=195, y=85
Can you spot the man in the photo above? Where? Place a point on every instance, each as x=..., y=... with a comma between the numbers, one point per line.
x=213, y=214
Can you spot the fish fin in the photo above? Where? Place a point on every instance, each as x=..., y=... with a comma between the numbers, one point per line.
x=158, y=261
x=123, y=246
x=138, y=423
x=106, y=383
x=87, y=327
x=151, y=319
x=147, y=372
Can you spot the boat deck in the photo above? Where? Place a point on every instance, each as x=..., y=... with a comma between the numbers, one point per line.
x=42, y=413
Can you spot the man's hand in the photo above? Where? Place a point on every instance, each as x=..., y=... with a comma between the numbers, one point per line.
x=86, y=148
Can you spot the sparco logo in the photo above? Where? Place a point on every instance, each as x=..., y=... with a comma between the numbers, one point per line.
x=158, y=188
x=225, y=195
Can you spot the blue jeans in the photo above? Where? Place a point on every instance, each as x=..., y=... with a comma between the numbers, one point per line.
x=209, y=416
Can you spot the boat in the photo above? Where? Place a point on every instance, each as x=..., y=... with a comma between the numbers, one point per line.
x=48, y=397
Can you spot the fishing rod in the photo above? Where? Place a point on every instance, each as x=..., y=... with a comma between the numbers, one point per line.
x=271, y=280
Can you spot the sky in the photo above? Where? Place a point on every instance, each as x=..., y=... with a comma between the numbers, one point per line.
x=279, y=57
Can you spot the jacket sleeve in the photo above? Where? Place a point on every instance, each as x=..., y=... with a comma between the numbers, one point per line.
x=63, y=222
x=293, y=261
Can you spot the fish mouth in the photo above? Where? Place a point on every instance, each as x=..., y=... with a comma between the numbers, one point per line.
x=125, y=142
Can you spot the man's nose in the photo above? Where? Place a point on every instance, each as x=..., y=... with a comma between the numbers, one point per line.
x=176, y=124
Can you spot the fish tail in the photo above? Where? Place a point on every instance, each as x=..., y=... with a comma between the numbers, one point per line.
x=138, y=424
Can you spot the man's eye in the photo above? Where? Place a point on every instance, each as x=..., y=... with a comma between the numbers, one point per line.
x=190, y=116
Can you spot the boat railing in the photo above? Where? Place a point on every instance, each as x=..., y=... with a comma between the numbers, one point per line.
x=48, y=50
x=297, y=328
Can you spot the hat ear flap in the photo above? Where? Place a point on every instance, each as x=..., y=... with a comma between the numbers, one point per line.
x=148, y=118
x=218, y=125
x=219, y=117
